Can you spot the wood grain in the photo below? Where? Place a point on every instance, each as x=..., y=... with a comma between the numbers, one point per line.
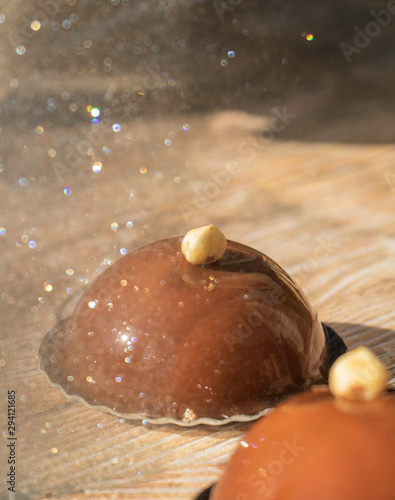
x=317, y=196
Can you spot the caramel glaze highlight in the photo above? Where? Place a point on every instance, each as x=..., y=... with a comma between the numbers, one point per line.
x=156, y=336
x=315, y=447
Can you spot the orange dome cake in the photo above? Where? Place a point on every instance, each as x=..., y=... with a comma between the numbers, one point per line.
x=317, y=445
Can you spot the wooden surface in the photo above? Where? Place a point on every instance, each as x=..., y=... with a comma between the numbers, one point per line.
x=318, y=196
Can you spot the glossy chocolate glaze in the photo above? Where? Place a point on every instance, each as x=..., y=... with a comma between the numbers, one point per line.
x=315, y=447
x=155, y=336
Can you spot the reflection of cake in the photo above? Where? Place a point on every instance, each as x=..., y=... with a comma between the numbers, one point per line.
x=316, y=447
x=158, y=337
